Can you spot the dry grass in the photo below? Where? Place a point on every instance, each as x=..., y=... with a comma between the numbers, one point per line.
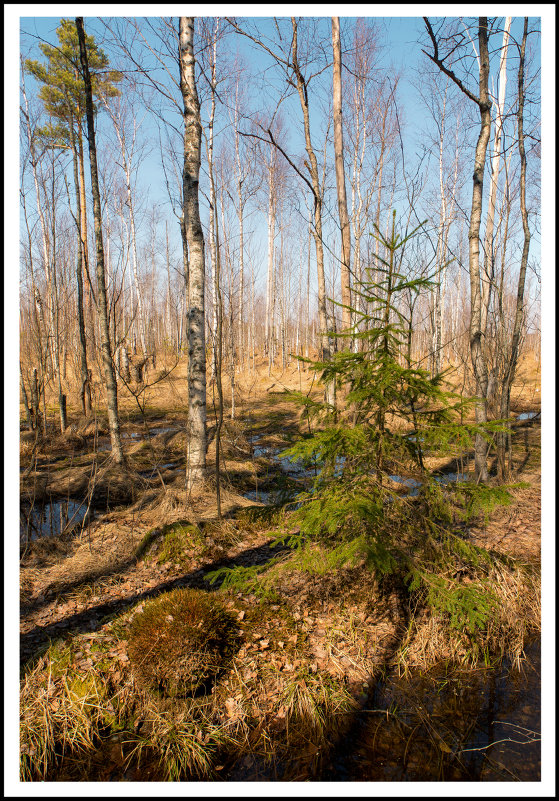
x=80, y=692
x=290, y=690
x=62, y=709
x=516, y=617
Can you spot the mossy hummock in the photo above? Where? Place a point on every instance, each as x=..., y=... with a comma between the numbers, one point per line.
x=180, y=642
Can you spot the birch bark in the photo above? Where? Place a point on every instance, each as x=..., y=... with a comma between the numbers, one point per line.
x=196, y=453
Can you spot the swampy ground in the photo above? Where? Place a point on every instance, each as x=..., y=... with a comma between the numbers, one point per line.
x=320, y=661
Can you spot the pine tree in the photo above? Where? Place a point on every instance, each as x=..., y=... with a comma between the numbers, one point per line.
x=63, y=96
x=394, y=408
x=63, y=90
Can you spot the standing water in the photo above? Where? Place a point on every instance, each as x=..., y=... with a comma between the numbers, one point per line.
x=448, y=724
x=51, y=519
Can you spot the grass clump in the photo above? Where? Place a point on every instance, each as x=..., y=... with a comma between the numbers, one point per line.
x=180, y=642
x=63, y=708
x=181, y=743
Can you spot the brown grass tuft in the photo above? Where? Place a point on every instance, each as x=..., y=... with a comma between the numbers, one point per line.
x=180, y=642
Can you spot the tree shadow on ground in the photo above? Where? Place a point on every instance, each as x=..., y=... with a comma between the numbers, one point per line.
x=90, y=619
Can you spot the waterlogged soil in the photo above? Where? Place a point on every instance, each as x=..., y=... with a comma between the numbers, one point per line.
x=448, y=725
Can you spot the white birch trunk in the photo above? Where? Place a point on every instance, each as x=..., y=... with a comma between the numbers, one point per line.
x=196, y=453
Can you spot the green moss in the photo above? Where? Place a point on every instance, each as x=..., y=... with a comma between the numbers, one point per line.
x=178, y=538
x=60, y=655
x=147, y=541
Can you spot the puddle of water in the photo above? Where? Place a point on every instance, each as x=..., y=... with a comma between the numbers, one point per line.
x=155, y=431
x=448, y=725
x=263, y=450
x=294, y=467
x=412, y=483
x=51, y=519
x=260, y=496
x=451, y=478
x=153, y=471
x=528, y=415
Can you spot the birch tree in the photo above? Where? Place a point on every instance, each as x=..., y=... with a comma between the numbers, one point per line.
x=477, y=311
x=196, y=454
x=510, y=371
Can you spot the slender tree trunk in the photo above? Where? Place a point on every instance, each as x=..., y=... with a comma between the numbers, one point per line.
x=477, y=332
x=102, y=307
x=478, y=315
x=519, y=311
x=218, y=364
x=85, y=389
x=28, y=414
x=213, y=209
x=312, y=166
x=35, y=399
x=89, y=294
x=196, y=457
x=488, y=273
x=240, y=213
x=268, y=323
x=141, y=317
x=340, y=175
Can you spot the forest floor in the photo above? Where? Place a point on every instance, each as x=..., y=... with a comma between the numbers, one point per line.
x=74, y=586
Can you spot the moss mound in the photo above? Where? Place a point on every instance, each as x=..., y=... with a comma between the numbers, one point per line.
x=178, y=539
x=180, y=642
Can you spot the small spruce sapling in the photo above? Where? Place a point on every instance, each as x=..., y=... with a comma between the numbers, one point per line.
x=394, y=412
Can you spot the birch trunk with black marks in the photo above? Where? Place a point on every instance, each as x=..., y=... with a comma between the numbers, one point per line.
x=478, y=314
x=196, y=454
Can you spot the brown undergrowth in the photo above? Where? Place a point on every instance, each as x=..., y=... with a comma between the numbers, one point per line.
x=305, y=653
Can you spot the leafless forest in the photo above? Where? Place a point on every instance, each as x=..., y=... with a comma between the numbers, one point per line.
x=245, y=235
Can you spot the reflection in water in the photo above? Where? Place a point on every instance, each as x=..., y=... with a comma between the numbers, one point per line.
x=51, y=519
x=260, y=496
x=448, y=725
x=152, y=472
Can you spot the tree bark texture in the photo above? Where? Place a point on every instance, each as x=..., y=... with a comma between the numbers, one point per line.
x=196, y=456
x=477, y=331
x=85, y=389
x=519, y=311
